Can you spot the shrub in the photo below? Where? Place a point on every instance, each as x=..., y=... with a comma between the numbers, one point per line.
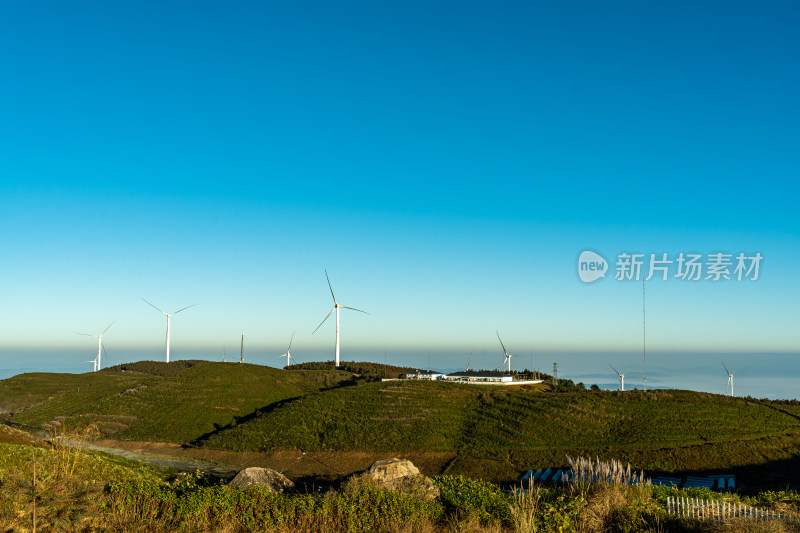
x=485, y=500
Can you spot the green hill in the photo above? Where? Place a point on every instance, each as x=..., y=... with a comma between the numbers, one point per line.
x=511, y=429
x=162, y=402
x=494, y=432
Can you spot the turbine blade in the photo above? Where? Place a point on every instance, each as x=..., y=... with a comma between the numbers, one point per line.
x=615, y=370
x=154, y=307
x=184, y=309
x=87, y=334
x=109, y=327
x=329, y=285
x=501, y=343
x=323, y=320
x=290, y=342
x=726, y=369
x=354, y=309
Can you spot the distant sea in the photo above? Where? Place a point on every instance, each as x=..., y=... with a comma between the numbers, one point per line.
x=766, y=375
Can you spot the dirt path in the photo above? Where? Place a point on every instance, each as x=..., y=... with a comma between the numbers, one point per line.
x=292, y=462
x=154, y=454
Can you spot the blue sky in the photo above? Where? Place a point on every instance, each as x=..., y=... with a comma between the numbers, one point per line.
x=446, y=162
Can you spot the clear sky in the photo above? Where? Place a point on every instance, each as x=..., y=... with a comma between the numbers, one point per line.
x=446, y=162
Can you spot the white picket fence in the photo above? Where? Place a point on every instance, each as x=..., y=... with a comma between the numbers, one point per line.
x=706, y=510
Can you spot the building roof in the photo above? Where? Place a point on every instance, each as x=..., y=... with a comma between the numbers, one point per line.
x=481, y=374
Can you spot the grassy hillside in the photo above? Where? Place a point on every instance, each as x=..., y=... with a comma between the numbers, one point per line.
x=367, y=371
x=482, y=431
x=166, y=402
x=511, y=429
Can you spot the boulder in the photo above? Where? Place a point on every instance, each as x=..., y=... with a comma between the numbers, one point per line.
x=402, y=476
x=387, y=470
x=265, y=477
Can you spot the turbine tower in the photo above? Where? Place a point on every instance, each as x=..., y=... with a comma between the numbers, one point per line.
x=729, y=386
x=168, y=317
x=288, y=354
x=336, y=307
x=99, y=338
x=508, y=355
x=621, y=378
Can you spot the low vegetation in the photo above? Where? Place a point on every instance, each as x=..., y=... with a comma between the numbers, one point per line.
x=499, y=432
x=491, y=433
x=174, y=402
x=365, y=371
x=54, y=488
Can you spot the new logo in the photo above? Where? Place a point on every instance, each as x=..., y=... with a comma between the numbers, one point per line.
x=591, y=266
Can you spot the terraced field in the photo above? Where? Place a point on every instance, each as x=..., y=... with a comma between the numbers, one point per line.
x=506, y=430
x=494, y=433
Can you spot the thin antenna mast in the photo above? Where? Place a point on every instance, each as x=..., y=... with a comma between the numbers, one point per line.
x=644, y=336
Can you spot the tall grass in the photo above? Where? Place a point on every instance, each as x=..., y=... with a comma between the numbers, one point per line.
x=611, y=472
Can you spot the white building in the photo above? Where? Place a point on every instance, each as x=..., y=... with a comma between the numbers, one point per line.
x=485, y=377
x=429, y=375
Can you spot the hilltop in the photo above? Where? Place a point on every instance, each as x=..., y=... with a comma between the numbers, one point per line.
x=154, y=401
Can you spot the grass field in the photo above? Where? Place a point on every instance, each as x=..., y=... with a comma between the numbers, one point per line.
x=493, y=433
x=497, y=432
x=146, y=401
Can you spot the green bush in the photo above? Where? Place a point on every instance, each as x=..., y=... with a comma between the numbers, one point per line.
x=186, y=504
x=485, y=500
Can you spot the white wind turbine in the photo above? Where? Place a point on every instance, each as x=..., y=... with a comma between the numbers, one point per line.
x=621, y=378
x=729, y=386
x=168, y=315
x=508, y=355
x=94, y=364
x=336, y=307
x=99, y=338
x=288, y=354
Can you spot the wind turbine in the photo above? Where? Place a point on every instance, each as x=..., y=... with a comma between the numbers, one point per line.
x=508, y=355
x=94, y=364
x=729, y=386
x=621, y=378
x=288, y=354
x=99, y=338
x=168, y=317
x=336, y=307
